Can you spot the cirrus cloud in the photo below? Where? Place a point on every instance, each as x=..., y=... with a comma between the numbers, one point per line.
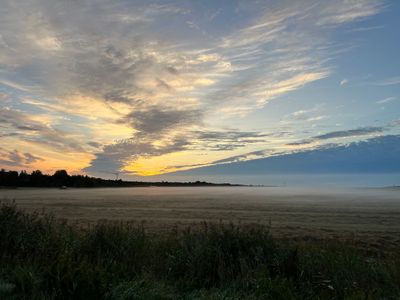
x=158, y=74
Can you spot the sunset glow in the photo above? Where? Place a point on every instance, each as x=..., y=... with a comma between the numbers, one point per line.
x=147, y=88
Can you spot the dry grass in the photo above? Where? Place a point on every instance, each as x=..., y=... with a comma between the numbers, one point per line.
x=367, y=216
x=44, y=258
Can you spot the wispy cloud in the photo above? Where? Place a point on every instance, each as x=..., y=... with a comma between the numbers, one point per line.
x=367, y=28
x=389, y=81
x=38, y=132
x=158, y=86
x=3, y=96
x=347, y=11
x=313, y=114
x=15, y=158
x=386, y=100
x=125, y=152
x=342, y=134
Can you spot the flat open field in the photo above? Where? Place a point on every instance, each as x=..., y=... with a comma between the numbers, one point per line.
x=368, y=215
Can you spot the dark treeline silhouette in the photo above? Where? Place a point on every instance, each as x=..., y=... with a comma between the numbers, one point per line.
x=62, y=179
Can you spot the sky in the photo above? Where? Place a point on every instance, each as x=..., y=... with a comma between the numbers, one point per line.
x=151, y=87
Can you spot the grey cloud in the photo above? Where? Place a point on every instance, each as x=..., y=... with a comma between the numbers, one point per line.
x=178, y=167
x=112, y=77
x=162, y=84
x=67, y=48
x=225, y=140
x=302, y=142
x=232, y=159
x=343, y=11
x=306, y=115
x=151, y=123
x=172, y=70
x=342, y=134
x=17, y=159
x=118, y=52
x=115, y=156
x=28, y=128
x=9, y=134
x=389, y=81
x=224, y=147
x=236, y=158
x=154, y=120
x=288, y=42
x=30, y=158
x=386, y=100
x=19, y=124
x=105, y=162
x=228, y=135
x=94, y=144
x=3, y=96
x=92, y=50
x=351, y=132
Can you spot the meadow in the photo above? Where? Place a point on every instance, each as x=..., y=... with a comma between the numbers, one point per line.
x=164, y=243
x=368, y=216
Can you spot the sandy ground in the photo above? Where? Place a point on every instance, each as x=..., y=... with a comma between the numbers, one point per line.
x=370, y=215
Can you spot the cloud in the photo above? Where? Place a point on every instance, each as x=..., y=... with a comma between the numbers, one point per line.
x=17, y=159
x=227, y=140
x=232, y=159
x=374, y=155
x=272, y=46
x=155, y=120
x=118, y=155
x=230, y=136
x=3, y=96
x=366, y=28
x=342, y=134
x=267, y=153
x=351, y=132
x=30, y=158
x=160, y=84
x=386, y=100
x=33, y=131
x=287, y=42
x=94, y=144
x=305, y=115
x=243, y=157
x=344, y=11
x=389, y=81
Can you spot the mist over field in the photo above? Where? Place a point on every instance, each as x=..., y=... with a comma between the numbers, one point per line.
x=305, y=180
x=320, y=212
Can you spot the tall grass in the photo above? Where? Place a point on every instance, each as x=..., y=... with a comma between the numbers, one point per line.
x=44, y=258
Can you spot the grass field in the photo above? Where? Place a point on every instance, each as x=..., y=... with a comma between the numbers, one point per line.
x=368, y=216
x=200, y=243
x=44, y=258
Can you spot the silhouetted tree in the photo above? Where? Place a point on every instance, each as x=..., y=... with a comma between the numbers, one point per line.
x=61, y=177
x=37, y=178
x=24, y=178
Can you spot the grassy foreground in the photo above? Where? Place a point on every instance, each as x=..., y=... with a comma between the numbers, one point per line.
x=44, y=258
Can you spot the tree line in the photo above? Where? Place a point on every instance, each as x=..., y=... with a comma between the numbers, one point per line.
x=61, y=178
